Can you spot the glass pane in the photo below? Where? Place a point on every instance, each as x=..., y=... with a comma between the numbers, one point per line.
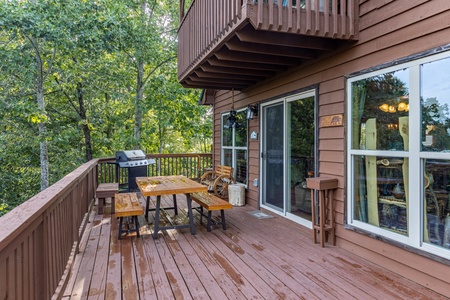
x=241, y=166
x=381, y=192
x=241, y=129
x=437, y=207
x=273, y=156
x=380, y=110
x=226, y=132
x=228, y=157
x=435, y=101
x=301, y=155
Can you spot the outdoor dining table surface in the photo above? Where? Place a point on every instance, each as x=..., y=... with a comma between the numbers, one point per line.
x=169, y=185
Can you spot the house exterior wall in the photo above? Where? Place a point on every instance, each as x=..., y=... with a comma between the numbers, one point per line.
x=389, y=31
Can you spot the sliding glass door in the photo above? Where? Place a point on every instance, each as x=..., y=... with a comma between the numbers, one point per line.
x=288, y=155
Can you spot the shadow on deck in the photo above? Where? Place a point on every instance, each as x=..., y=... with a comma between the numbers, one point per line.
x=254, y=258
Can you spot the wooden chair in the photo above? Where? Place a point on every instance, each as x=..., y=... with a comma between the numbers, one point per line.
x=218, y=180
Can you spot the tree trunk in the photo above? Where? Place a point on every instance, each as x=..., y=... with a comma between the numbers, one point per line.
x=42, y=125
x=138, y=104
x=84, y=122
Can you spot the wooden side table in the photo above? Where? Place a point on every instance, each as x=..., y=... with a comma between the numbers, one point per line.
x=324, y=222
x=106, y=190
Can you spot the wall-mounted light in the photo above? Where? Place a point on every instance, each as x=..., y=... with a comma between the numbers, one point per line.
x=252, y=111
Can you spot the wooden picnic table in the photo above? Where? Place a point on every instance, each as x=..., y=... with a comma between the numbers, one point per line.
x=169, y=185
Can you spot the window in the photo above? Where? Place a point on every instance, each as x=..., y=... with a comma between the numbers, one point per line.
x=399, y=153
x=234, y=145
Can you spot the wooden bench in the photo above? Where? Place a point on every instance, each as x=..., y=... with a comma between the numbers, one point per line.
x=106, y=190
x=128, y=205
x=218, y=180
x=211, y=203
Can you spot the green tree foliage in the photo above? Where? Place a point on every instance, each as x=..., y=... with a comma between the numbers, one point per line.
x=99, y=64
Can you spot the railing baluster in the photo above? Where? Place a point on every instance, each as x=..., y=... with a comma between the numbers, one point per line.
x=326, y=30
x=335, y=18
x=344, y=18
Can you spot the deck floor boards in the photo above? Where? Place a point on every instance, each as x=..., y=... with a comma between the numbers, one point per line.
x=272, y=258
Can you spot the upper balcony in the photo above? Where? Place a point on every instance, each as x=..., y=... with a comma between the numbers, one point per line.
x=233, y=44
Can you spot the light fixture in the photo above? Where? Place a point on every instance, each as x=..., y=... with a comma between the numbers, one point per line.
x=232, y=116
x=392, y=109
x=384, y=107
x=252, y=111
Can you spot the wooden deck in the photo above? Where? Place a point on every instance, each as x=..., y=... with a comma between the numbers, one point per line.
x=254, y=258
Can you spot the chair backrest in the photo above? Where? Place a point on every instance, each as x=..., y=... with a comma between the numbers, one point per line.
x=224, y=170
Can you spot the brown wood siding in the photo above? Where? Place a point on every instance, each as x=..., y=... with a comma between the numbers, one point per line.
x=389, y=30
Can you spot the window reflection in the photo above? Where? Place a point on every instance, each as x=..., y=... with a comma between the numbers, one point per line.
x=380, y=112
x=381, y=192
x=435, y=100
x=437, y=209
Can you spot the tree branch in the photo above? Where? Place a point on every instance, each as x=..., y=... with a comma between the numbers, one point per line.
x=144, y=82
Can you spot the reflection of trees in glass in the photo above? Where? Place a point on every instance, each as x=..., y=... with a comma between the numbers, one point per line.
x=302, y=139
x=241, y=129
x=435, y=122
x=226, y=132
x=379, y=90
x=302, y=127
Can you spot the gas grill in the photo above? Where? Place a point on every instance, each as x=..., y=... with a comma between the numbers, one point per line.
x=136, y=164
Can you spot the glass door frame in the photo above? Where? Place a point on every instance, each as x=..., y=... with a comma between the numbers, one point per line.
x=285, y=100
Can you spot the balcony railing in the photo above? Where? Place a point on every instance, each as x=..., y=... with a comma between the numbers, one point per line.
x=211, y=30
x=40, y=238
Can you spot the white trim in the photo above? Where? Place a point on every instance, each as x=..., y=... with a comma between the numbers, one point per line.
x=416, y=157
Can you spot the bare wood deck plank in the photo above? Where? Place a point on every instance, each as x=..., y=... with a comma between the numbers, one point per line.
x=129, y=280
x=114, y=275
x=144, y=276
x=78, y=258
x=84, y=276
x=97, y=288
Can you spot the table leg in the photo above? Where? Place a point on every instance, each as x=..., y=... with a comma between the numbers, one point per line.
x=147, y=207
x=175, y=204
x=156, y=225
x=120, y=227
x=191, y=215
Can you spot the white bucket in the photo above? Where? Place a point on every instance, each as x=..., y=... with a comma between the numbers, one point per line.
x=236, y=194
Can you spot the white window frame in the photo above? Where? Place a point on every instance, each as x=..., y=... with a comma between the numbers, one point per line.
x=232, y=147
x=414, y=154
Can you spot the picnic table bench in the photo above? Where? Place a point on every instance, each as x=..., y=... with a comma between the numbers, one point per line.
x=211, y=203
x=128, y=205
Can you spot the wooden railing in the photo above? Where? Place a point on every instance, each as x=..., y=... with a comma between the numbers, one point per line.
x=189, y=165
x=40, y=238
x=207, y=23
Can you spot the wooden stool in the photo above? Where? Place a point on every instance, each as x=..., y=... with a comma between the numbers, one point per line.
x=322, y=224
x=128, y=205
x=106, y=190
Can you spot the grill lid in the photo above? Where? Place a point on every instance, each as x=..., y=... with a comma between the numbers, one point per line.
x=129, y=155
